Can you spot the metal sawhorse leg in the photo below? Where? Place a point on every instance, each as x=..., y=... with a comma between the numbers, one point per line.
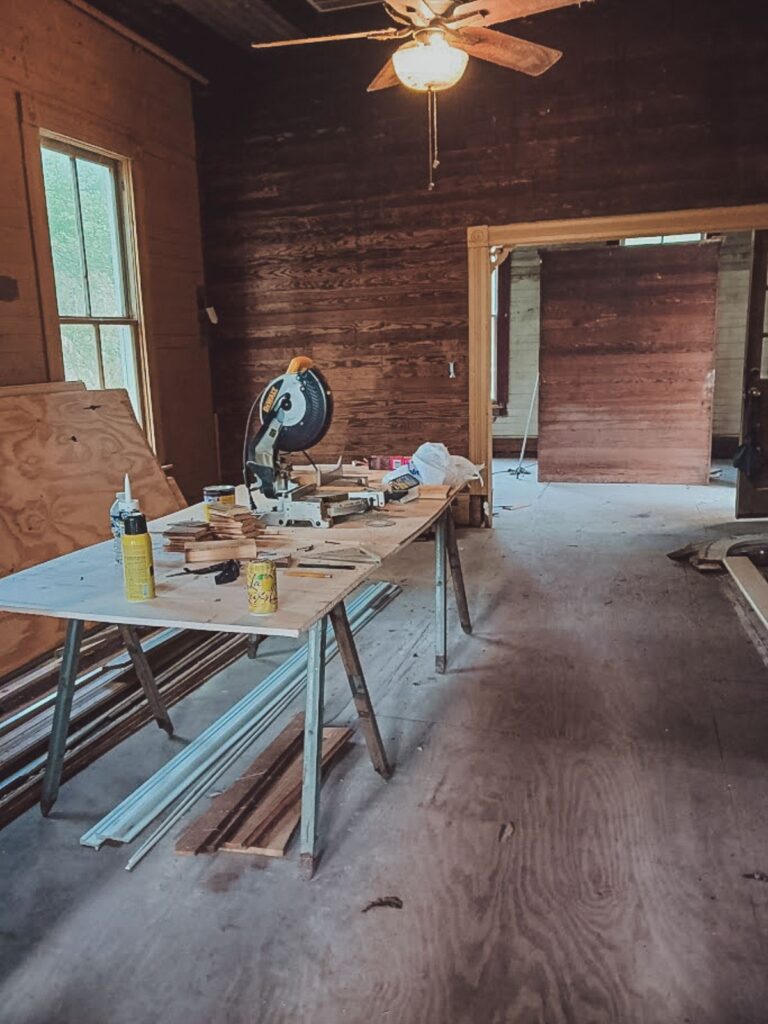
x=144, y=674
x=66, y=691
x=447, y=550
x=313, y=722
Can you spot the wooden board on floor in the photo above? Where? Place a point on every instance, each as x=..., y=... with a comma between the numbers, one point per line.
x=203, y=834
x=627, y=364
x=259, y=812
x=63, y=455
x=268, y=828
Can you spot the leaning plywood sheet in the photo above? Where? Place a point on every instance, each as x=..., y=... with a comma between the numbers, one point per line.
x=47, y=387
x=63, y=455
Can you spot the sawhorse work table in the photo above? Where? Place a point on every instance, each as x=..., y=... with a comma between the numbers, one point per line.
x=86, y=586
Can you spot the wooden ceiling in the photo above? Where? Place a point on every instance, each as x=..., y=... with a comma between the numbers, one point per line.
x=209, y=34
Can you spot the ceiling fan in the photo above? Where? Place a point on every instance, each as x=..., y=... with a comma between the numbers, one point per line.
x=437, y=38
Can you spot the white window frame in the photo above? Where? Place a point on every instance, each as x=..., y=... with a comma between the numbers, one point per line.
x=120, y=168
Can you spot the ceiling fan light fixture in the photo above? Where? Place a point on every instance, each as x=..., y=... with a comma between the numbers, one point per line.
x=429, y=63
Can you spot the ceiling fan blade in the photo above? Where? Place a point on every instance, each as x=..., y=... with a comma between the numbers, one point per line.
x=377, y=33
x=417, y=12
x=496, y=11
x=385, y=78
x=508, y=51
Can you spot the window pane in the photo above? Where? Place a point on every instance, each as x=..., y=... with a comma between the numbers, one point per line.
x=81, y=360
x=118, y=353
x=101, y=236
x=646, y=240
x=691, y=236
x=68, y=267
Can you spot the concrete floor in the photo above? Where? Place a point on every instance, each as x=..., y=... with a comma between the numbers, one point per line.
x=609, y=710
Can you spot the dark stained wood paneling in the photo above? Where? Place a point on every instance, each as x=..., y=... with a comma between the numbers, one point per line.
x=627, y=364
x=320, y=233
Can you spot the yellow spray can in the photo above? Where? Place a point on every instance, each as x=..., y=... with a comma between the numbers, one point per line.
x=138, y=565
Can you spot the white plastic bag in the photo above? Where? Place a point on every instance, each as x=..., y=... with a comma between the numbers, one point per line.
x=434, y=464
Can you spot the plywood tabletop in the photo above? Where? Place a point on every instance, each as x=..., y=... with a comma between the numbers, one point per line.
x=87, y=584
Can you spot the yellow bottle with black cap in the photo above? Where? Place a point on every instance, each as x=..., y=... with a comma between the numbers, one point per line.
x=138, y=564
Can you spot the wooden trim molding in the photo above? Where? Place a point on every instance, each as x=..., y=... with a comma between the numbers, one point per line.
x=41, y=242
x=483, y=239
x=479, y=362
x=603, y=229
x=503, y=306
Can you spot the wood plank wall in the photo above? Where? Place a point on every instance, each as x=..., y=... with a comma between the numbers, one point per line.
x=627, y=364
x=320, y=234
x=733, y=288
x=63, y=71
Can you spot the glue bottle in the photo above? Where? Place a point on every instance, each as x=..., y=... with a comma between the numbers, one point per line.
x=123, y=504
x=138, y=564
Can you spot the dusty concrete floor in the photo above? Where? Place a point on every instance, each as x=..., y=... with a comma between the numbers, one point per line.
x=609, y=705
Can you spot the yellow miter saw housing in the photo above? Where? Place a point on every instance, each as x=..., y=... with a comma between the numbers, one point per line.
x=295, y=410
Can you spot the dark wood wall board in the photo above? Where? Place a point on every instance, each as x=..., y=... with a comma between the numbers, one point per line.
x=318, y=227
x=64, y=71
x=627, y=364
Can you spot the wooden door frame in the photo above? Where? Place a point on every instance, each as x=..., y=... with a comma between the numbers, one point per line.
x=488, y=245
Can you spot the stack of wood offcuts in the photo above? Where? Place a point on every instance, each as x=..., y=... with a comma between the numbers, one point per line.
x=260, y=812
x=230, y=533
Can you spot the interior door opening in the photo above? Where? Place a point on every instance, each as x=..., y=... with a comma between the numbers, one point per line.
x=642, y=339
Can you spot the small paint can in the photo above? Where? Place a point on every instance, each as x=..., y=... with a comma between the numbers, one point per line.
x=224, y=494
x=261, y=585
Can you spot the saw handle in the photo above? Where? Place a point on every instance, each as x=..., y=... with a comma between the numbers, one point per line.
x=299, y=363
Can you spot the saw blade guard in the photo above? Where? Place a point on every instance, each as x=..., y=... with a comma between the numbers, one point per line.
x=295, y=410
x=306, y=403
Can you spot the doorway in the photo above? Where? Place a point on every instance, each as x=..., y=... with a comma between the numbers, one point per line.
x=491, y=247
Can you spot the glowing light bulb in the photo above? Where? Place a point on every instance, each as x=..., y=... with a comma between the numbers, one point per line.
x=429, y=62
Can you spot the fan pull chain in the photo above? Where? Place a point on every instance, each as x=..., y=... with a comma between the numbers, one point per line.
x=434, y=152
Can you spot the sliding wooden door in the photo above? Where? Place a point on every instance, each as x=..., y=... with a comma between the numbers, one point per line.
x=627, y=363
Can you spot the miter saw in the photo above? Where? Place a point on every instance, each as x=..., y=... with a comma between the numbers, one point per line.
x=296, y=411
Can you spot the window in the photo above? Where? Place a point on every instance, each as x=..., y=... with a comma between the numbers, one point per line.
x=92, y=266
x=691, y=236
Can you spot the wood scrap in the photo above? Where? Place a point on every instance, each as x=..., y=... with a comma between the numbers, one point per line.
x=187, y=531
x=260, y=811
x=258, y=830
x=232, y=521
x=218, y=550
x=230, y=807
x=182, y=501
